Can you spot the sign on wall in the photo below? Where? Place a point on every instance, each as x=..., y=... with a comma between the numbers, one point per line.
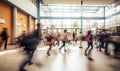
x=2, y=21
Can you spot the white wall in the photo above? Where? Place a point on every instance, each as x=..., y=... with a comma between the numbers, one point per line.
x=26, y=6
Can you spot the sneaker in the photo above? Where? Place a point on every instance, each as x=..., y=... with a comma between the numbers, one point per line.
x=85, y=54
x=65, y=50
x=80, y=47
x=106, y=53
x=99, y=49
x=22, y=70
x=48, y=54
x=30, y=63
x=90, y=58
x=59, y=48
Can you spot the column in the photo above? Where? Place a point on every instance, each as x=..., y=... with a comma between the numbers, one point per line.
x=81, y=16
x=38, y=11
x=14, y=14
x=104, y=17
x=29, y=23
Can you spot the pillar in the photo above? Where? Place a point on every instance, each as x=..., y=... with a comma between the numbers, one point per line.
x=14, y=14
x=29, y=24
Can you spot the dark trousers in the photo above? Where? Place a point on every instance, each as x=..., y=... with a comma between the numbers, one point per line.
x=5, y=46
x=101, y=45
x=50, y=46
x=63, y=45
x=89, y=51
x=58, y=42
x=106, y=46
x=30, y=51
x=116, y=49
x=27, y=61
x=5, y=43
x=74, y=39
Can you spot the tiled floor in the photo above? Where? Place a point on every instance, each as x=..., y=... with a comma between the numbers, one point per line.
x=72, y=60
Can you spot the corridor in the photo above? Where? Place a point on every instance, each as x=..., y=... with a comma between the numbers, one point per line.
x=72, y=60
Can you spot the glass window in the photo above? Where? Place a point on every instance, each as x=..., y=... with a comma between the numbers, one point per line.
x=73, y=10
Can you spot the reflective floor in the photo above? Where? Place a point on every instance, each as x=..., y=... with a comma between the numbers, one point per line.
x=72, y=60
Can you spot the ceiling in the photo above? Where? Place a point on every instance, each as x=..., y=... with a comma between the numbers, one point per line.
x=70, y=9
x=85, y=2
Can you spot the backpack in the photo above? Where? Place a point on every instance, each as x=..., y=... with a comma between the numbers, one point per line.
x=88, y=38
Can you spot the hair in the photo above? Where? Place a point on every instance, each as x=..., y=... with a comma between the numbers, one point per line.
x=5, y=29
x=38, y=24
x=89, y=32
x=80, y=32
x=23, y=31
x=65, y=30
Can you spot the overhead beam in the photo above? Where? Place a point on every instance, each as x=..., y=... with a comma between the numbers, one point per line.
x=114, y=14
x=51, y=17
x=94, y=18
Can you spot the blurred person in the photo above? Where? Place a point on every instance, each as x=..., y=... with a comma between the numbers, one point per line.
x=64, y=40
x=44, y=35
x=95, y=38
x=115, y=39
x=116, y=42
x=100, y=39
x=30, y=42
x=106, y=36
x=50, y=42
x=89, y=39
x=4, y=37
x=69, y=38
x=79, y=37
x=74, y=36
x=19, y=38
x=57, y=39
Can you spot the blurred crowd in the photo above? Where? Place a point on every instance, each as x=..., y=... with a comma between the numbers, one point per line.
x=30, y=41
